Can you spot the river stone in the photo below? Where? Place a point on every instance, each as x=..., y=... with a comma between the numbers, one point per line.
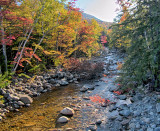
x=67, y=111
x=63, y=119
x=20, y=103
x=84, y=89
x=52, y=81
x=25, y=99
x=157, y=129
x=40, y=89
x=91, y=88
x=125, y=113
x=122, y=97
x=63, y=82
x=12, y=97
x=158, y=107
x=98, y=122
x=92, y=127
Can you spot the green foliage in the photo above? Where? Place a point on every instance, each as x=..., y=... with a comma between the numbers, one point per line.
x=1, y=99
x=142, y=31
x=24, y=75
x=37, y=69
x=5, y=79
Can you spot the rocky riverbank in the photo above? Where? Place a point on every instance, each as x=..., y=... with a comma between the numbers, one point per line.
x=97, y=105
x=21, y=93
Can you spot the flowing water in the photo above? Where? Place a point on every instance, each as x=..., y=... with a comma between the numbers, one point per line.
x=44, y=111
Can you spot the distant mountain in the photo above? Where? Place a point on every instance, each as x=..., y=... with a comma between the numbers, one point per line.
x=89, y=17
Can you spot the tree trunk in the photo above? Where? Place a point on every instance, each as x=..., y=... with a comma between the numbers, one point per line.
x=3, y=43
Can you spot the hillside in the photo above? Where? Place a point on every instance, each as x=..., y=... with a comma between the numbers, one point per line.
x=89, y=17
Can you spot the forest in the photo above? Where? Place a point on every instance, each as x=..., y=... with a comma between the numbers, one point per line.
x=36, y=35
x=31, y=40
x=70, y=70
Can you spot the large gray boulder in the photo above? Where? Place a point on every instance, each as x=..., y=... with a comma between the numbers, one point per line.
x=25, y=99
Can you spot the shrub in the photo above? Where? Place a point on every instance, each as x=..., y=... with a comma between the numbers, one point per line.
x=85, y=68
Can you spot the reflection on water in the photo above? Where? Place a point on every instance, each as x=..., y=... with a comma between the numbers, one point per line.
x=44, y=111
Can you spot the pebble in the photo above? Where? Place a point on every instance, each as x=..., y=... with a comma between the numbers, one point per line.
x=63, y=119
x=67, y=111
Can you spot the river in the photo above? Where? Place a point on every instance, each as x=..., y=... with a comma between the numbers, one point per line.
x=45, y=110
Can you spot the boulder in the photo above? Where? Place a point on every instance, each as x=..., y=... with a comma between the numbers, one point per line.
x=25, y=99
x=158, y=107
x=12, y=97
x=20, y=103
x=122, y=97
x=84, y=89
x=63, y=119
x=125, y=113
x=67, y=111
x=52, y=81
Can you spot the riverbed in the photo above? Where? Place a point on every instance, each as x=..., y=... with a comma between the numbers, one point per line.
x=45, y=110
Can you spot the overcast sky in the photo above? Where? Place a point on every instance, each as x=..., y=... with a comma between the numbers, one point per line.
x=102, y=9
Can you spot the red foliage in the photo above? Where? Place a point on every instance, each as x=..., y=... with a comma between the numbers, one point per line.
x=118, y=92
x=103, y=39
x=97, y=98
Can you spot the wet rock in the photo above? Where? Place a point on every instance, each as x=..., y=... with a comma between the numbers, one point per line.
x=104, y=104
x=12, y=97
x=157, y=129
x=125, y=113
x=92, y=127
x=138, y=126
x=63, y=82
x=122, y=97
x=158, y=107
x=149, y=129
x=52, y=81
x=25, y=99
x=57, y=85
x=137, y=113
x=39, y=89
x=67, y=111
x=86, y=98
x=20, y=103
x=61, y=75
x=68, y=129
x=98, y=122
x=63, y=119
x=125, y=122
x=54, y=76
x=34, y=86
x=84, y=89
x=91, y=88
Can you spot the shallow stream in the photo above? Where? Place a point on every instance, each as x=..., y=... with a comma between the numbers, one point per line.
x=44, y=111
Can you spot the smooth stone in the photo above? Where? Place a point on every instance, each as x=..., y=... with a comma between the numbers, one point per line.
x=138, y=126
x=122, y=97
x=68, y=129
x=20, y=103
x=40, y=89
x=149, y=129
x=25, y=99
x=98, y=122
x=92, y=127
x=125, y=113
x=158, y=107
x=84, y=89
x=67, y=111
x=91, y=88
x=125, y=122
x=157, y=129
x=63, y=119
